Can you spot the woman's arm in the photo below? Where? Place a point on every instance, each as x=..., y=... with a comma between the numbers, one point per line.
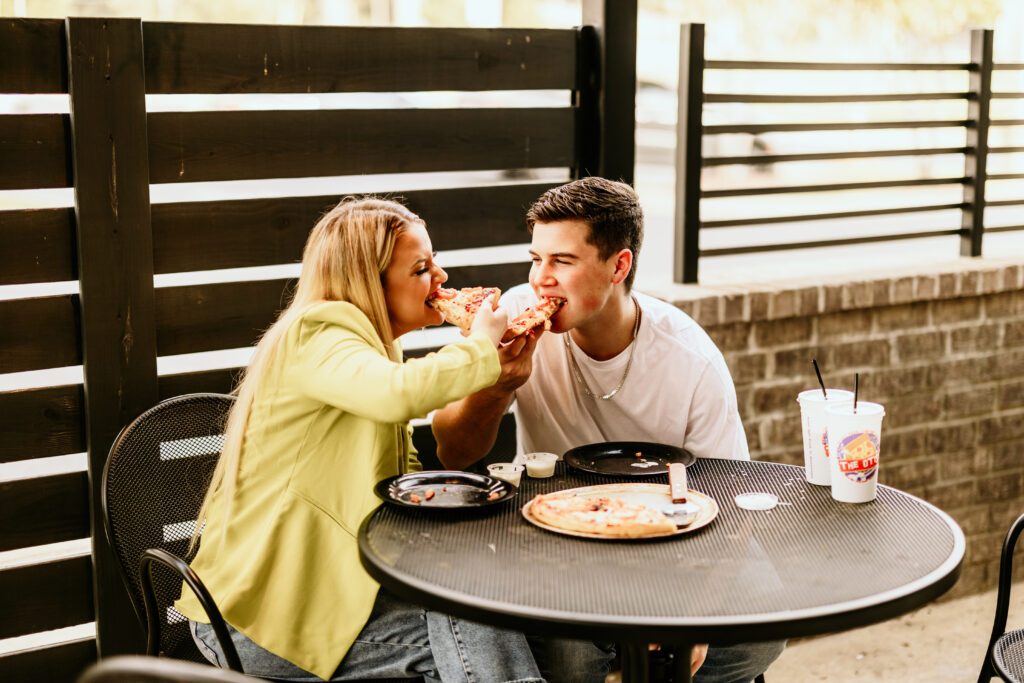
x=339, y=367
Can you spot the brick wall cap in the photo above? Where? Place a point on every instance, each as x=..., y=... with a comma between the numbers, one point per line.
x=971, y=277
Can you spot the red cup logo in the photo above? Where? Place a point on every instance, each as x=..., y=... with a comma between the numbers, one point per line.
x=857, y=456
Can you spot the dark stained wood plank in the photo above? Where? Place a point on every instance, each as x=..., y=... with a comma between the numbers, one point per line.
x=32, y=55
x=220, y=381
x=193, y=236
x=63, y=663
x=33, y=151
x=115, y=251
x=231, y=315
x=38, y=423
x=223, y=58
x=472, y=217
x=217, y=316
x=44, y=510
x=503, y=275
x=46, y=596
x=241, y=145
x=254, y=232
x=587, y=155
x=615, y=22
x=37, y=246
x=39, y=333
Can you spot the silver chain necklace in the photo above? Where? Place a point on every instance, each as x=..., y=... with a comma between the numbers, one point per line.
x=578, y=375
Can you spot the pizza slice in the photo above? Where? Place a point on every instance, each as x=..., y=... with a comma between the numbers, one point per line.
x=538, y=314
x=600, y=516
x=459, y=306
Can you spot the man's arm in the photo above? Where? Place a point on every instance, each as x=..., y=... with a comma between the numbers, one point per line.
x=466, y=430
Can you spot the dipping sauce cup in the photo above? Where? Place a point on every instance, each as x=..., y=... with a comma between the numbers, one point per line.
x=506, y=471
x=540, y=465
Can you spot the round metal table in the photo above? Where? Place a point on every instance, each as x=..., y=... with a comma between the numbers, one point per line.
x=810, y=565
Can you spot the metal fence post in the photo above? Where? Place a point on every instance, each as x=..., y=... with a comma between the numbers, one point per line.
x=110, y=156
x=689, y=132
x=615, y=25
x=976, y=162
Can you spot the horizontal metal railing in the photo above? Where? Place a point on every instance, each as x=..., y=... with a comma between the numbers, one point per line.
x=690, y=161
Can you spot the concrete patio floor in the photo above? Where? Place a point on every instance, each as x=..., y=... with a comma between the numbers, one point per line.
x=940, y=642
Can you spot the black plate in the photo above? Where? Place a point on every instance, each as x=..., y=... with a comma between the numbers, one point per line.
x=451, y=489
x=619, y=458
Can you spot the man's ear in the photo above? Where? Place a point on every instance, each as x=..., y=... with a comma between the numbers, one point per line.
x=623, y=263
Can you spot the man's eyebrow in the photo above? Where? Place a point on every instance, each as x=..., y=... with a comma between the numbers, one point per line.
x=557, y=254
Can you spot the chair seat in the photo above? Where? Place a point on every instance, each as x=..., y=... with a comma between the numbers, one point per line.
x=1008, y=656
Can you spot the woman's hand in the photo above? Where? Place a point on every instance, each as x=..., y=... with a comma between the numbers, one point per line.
x=493, y=323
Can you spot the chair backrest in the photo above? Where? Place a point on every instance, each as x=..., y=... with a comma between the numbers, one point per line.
x=138, y=669
x=155, y=478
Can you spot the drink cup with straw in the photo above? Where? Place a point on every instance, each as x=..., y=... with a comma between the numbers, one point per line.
x=812, y=416
x=855, y=434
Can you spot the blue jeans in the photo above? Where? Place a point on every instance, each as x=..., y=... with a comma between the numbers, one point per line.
x=400, y=641
x=562, y=660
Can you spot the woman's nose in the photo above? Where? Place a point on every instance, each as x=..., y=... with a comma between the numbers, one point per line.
x=441, y=276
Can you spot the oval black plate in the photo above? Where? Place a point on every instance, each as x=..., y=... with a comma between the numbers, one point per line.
x=619, y=458
x=452, y=489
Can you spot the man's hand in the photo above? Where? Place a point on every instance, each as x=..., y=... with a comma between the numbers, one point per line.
x=466, y=430
x=516, y=360
x=697, y=657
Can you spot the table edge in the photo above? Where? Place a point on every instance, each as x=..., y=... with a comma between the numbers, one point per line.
x=735, y=628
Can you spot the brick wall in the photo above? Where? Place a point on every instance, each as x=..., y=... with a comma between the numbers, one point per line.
x=942, y=350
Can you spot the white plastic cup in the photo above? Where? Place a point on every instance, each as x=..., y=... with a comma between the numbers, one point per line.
x=812, y=402
x=856, y=442
x=506, y=471
x=540, y=465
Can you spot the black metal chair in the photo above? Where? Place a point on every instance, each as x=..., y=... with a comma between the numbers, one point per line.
x=154, y=481
x=139, y=669
x=1005, y=654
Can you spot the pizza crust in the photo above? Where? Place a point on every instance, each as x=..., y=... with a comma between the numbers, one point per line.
x=603, y=516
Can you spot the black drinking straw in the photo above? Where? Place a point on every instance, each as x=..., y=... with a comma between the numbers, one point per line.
x=817, y=372
x=856, y=386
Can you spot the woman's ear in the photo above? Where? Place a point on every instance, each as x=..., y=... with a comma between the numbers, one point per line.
x=623, y=263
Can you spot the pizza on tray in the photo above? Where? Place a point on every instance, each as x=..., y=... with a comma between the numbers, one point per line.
x=600, y=516
x=534, y=316
x=459, y=306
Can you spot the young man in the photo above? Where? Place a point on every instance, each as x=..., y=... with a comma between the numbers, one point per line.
x=620, y=366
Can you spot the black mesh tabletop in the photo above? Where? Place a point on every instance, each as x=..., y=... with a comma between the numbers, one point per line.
x=810, y=565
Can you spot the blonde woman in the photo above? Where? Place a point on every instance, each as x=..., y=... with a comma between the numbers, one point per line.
x=322, y=415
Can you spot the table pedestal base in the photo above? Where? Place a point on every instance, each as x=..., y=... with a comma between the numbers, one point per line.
x=636, y=667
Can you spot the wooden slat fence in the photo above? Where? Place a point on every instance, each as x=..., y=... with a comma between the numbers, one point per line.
x=970, y=201
x=110, y=149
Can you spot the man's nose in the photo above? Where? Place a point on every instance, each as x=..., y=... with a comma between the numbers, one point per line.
x=543, y=273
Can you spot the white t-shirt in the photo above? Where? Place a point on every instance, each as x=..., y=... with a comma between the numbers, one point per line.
x=678, y=391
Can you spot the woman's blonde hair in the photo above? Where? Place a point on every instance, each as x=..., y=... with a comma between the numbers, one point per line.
x=344, y=259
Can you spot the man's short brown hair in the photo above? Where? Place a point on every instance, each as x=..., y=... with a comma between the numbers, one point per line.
x=610, y=208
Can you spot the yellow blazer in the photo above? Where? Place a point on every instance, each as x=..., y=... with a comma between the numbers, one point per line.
x=329, y=422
